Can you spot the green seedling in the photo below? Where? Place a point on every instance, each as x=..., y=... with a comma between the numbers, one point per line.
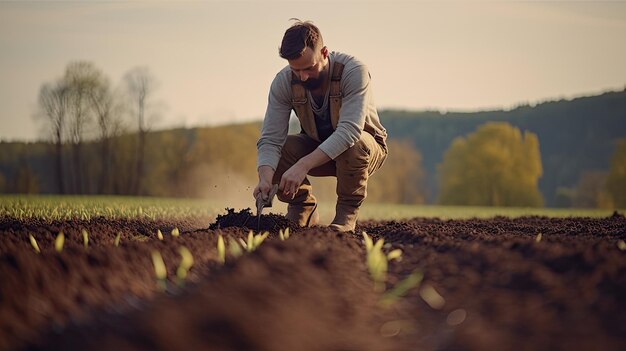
x=413, y=280
x=538, y=238
x=159, y=234
x=33, y=242
x=432, y=297
x=221, y=249
x=85, y=238
x=159, y=270
x=243, y=243
x=376, y=262
x=116, y=242
x=258, y=239
x=283, y=235
x=59, y=241
x=175, y=232
x=254, y=241
x=185, y=264
x=395, y=255
x=233, y=248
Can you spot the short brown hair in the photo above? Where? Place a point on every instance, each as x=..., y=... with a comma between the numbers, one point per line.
x=299, y=36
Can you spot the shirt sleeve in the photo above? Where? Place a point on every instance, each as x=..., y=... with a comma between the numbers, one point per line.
x=356, y=95
x=275, y=124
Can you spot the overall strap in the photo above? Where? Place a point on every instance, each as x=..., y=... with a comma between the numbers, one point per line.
x=303, y=108
x=335, y=93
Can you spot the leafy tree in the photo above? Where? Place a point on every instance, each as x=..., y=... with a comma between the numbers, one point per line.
x=616, y=182
x=494, y=166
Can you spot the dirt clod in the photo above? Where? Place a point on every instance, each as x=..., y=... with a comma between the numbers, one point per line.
x=246, y=219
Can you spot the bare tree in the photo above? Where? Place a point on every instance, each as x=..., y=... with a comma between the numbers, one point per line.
x=106, y=110
x=77, y=75
x=140, y=84
x=53, y=101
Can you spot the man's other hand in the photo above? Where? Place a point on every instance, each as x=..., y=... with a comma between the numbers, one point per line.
x=292, y=178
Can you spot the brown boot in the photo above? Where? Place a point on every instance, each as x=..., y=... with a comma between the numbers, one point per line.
x=345, y=218
x=305, y=216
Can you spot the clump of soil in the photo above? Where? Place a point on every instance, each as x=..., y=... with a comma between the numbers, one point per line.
x=246, y=219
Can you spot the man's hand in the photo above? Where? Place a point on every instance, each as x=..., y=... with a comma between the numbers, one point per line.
x=292, y=178
x=266, y=173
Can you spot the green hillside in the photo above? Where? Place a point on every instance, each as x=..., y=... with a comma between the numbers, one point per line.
x=575, y=136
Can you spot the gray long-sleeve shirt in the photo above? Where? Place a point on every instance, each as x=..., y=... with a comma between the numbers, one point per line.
x=358, y=112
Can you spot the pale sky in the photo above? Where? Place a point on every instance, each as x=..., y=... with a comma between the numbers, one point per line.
x=214, y=61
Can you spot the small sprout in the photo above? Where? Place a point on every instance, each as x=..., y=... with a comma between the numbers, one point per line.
x=254, y=241
x=395, y=255
x=376, y=262
x=283, y=235
x=258, y=239
x=221, y=249
x=250, y=242
x=159, y=234
x=33, y=242
x=175, y=232
x=85, y=238
x=368, y=242
x=538, y=238
x=413, y=280
x=159, y=270
x=185, y=264
x=234, y=248
x=432, y=297
x=59, y=241
x=243, y=243
x=116, y=242
x=621, y=245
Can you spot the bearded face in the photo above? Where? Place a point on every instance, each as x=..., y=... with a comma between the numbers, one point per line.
x=310, y=68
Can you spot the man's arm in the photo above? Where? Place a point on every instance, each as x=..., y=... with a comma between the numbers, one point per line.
x=273, y=133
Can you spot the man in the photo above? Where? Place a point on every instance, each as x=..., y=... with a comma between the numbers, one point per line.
x=341, y=133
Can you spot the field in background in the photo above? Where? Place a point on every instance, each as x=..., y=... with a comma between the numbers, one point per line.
x=85, y=207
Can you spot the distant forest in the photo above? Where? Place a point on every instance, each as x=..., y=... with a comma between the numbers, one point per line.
x=576, y=137
x=576, y=140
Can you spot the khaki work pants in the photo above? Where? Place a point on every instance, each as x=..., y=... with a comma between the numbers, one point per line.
x=352, y=169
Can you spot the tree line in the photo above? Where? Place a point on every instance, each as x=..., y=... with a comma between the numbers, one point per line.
x=577, y=138
x=100, y=140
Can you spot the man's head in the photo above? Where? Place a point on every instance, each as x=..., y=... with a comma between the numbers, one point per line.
x=303, y=47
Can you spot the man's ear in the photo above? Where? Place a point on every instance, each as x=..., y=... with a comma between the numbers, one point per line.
x=324, y=52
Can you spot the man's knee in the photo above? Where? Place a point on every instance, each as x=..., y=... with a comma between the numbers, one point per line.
x=365, y=153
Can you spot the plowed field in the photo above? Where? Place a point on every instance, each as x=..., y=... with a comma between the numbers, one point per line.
x=491, y=284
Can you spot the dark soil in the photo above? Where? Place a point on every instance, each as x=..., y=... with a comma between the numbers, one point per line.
x=245, y=219
x=502, y=289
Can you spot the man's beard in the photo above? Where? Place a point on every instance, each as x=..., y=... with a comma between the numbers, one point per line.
x=314, y=83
